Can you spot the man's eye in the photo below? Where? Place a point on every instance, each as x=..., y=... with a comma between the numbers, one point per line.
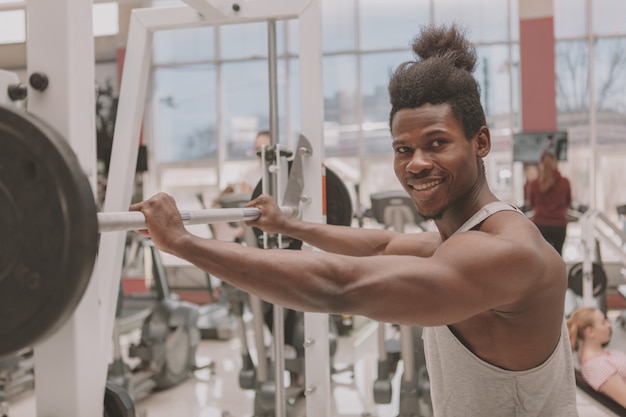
x=402, y=149
x=438, y=142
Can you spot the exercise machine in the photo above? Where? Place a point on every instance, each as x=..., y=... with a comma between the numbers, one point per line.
x=395, y=210
x=259, y=377
x=16, y=377
x=165, y=353
x=80, y=316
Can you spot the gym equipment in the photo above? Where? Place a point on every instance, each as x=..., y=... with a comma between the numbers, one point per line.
x=52, y=26
x=599, y=398
x=16, y=377
x=169, y=333
x=395, y=209
x=259, y=377
x=117, y=401
x=51, y=225
x=600, y=282
x=216, y=321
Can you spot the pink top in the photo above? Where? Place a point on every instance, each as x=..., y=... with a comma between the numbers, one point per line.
x=597, y=370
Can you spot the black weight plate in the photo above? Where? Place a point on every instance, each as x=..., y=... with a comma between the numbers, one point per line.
x=339, y=209
x=575, y=279
x=49, y=230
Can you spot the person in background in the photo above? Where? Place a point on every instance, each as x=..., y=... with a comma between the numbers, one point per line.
x=486, y=286
x=550, y=196
x=602, y=368
x=253, y=175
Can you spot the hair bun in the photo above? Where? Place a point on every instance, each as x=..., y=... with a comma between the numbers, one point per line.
x=447, y=42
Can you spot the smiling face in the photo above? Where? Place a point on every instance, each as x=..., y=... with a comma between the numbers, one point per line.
x=434, y=161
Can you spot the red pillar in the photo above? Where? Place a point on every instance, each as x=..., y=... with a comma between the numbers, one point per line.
x=537, y=70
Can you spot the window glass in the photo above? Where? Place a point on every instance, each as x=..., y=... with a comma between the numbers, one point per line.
x=13, y=24
x=293, y=36
x=105, y=19
x=572, y=89
x=516, y=101
x=184, y=45
x=244, y=40
x=376, y=70
x=570, y=18
x=245, y=105
x=291, y=109
x=338, y=23
x=514, y=20
x=492, y=73
x=185, y=113
x=609, y=17
x=391, y=23
x=485, y=20
x=609, y=87
x=340, y=118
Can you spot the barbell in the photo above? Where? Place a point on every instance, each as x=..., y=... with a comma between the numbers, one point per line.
x=50, y=225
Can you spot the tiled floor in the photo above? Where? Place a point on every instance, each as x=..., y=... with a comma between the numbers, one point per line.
x=217, y=394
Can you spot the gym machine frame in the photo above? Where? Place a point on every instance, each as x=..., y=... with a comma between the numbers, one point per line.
x=69, y=382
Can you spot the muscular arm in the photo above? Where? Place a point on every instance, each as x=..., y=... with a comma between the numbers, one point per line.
x=463, y=278
x=341, y=239
x=615, y=388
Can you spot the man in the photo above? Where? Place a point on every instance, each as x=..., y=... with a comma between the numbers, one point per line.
x=489, y=289
x=252, y=177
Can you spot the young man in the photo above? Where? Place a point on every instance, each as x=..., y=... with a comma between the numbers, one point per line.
x=487, y=287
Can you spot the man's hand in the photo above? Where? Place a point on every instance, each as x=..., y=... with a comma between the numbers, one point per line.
x=272, y=220
x=163, y=222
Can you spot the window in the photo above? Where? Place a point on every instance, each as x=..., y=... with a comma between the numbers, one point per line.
x=570, y=18
x=609, y=17
x=184, y=45
x=340, y=100
x=477, y=16
x=186, y=111
x=387, y=24
x=13, y=26
x=105, y=19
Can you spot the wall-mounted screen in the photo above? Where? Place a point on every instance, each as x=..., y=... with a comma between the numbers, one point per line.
x=528, y=146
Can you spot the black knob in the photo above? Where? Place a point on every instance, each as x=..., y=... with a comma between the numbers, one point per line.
x=236, y=7
x=17, y=91
x=38, y=81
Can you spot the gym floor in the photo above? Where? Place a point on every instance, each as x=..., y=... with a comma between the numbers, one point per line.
x=216, y=393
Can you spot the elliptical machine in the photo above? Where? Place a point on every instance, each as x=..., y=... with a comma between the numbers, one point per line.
x=394, y=209
x=165, y=353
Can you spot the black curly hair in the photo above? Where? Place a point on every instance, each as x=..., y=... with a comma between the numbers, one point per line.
x=441, y=74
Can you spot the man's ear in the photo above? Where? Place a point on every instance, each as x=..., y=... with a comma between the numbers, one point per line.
x=483, y=142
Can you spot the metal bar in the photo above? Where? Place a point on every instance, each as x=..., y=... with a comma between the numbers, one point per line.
x=135, y=220
x=279, y=316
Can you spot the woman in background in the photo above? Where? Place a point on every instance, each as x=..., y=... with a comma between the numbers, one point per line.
x=603, y=369
x=549, y=197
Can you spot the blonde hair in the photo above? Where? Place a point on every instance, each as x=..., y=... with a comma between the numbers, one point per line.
x=577, y=323
x=547, y=167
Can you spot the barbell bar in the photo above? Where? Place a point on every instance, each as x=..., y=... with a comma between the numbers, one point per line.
x=50, y=225
x=135, y=220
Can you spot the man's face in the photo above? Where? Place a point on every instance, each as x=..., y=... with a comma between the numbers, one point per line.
x=260, y=141
x=433, y=160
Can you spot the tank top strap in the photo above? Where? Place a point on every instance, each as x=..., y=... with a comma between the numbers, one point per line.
x=485, y=212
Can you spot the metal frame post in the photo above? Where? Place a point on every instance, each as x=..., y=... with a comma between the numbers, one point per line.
x=132, y=103
x=60, y=45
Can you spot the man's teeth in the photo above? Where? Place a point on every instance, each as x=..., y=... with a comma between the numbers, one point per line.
x=421, y=187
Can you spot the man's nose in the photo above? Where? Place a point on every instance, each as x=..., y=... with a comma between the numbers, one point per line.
x=419, y=162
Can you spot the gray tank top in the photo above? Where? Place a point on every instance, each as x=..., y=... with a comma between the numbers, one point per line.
x=462, y=384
